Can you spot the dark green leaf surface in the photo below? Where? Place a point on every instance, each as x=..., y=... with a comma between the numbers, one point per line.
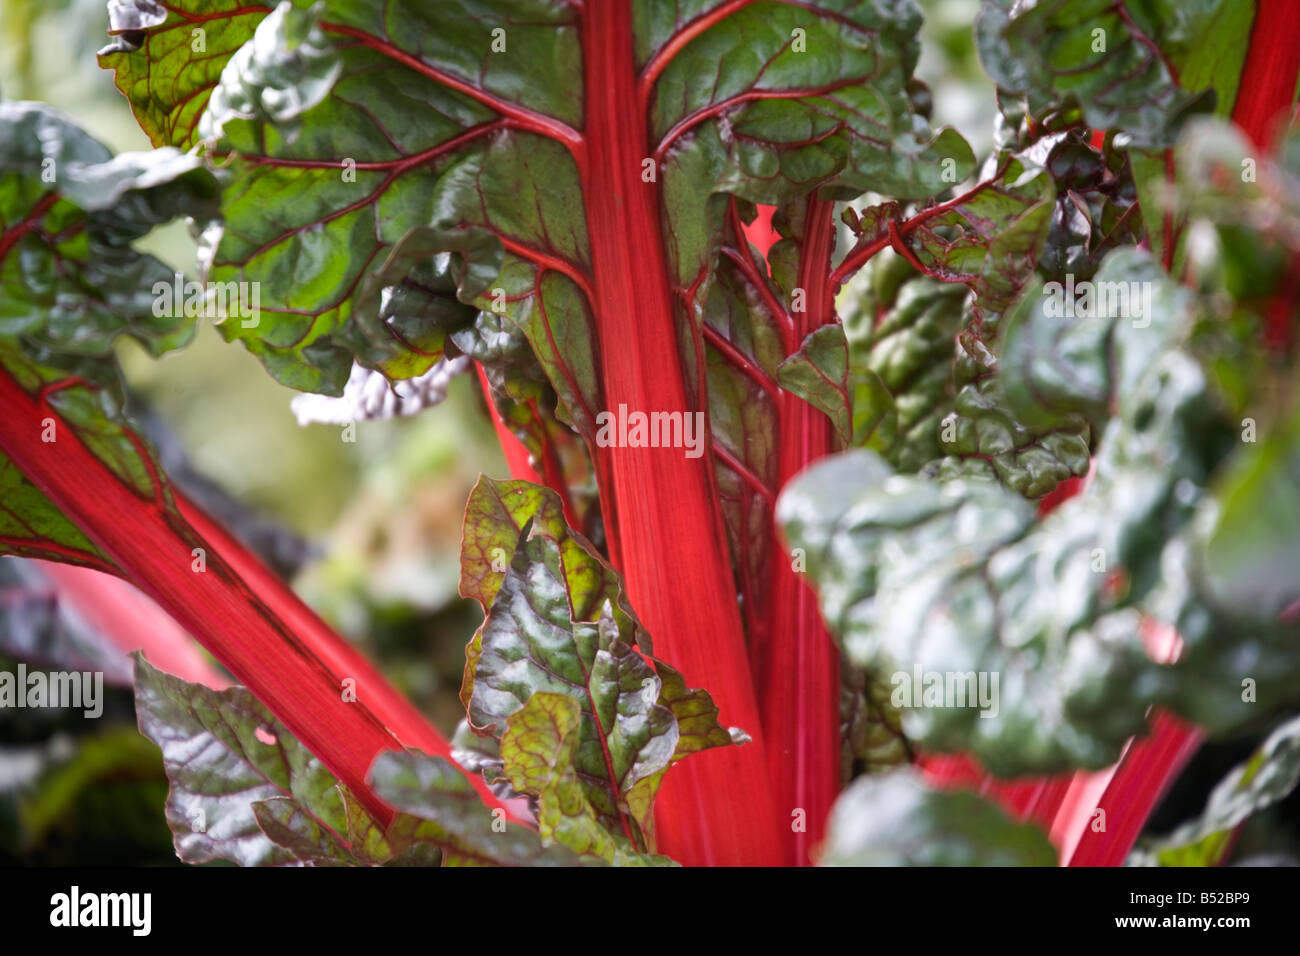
x=439, y=808
x=70, y=285
x=958, y=578
x=225, y=754
x=1092, y=55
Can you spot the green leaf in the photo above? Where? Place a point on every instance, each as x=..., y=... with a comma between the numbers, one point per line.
x=783, y=97
x=69, y=279
x=1206, y=43
x=870, y=725
x=495, y=517
x=539, y=748
x=992, y=238
x=558, y=623
x=818, y=373
x=1268, y=777
x=531, y=642
x=896, y=820
x=1094, y=56
x=439, y=808
x=225, y=754
x=70, y=285
x=910, y=349
x=335, y=197
x=957, y=577
x=166, y=80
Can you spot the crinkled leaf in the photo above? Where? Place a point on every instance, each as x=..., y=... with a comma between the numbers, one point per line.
x=557, y=622
x=958, y=578
x=908, y=343
x=538, y=749
x=70, y=285
x=871, y=727
x=991, y=240
x=439, y=808
x=165, y=79
x=1095, y=55
x=922, y=421
x=69, y=279
x=336, y=196
x=818, y=373
x=223, y=753
x=495, y=516
x=775, y=118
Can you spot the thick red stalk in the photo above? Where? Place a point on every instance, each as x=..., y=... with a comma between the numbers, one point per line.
x=716, y=807
x=1268, y=77
x=246, y=617
x=796, y=666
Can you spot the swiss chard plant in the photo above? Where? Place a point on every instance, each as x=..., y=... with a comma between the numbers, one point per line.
x=814, y=417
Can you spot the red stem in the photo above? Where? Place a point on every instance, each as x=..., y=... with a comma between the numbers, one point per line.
x=1145, y=772
x=243, y=614
x=715, y=808
x=796, y=666
x=860, y=254
x=1267, y=88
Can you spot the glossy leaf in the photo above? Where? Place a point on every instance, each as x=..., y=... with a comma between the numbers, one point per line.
x=70, y=285
x=532, y=642
x=958, y=578
x=1095, y=56
x=224, y=754
x=538, y=750
x=557, y=624
x=440, y=809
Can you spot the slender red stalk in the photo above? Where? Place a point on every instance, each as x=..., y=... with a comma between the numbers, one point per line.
x=715, y=808
x=242, y=613
x=860, y=254
x=796, y=665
